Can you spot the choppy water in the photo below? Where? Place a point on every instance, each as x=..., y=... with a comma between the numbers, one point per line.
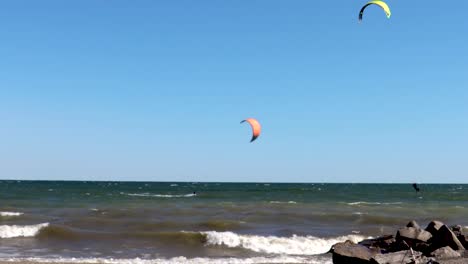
x=121, y=222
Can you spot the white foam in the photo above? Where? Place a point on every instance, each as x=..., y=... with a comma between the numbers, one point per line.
x=373, y=203
x=161, y=195
x=10, y=214
x=279, y=202
x=358, y=213
x=176, y=260
x=9, y=231
x=295, y=245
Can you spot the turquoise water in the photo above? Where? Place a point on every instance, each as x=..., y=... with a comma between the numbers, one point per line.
x=210, y=221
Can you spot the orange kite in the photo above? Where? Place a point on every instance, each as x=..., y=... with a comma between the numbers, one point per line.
x=256, y=128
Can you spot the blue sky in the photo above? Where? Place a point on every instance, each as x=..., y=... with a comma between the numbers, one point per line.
x=155, y=91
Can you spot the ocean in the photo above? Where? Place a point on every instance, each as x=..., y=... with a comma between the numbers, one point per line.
x=190, y=222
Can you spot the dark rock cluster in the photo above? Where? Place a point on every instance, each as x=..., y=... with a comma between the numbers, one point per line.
x=436, y=244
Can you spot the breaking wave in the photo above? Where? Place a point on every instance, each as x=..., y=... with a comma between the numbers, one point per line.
x=176, y=260
x=295, y=245
x=10, y=231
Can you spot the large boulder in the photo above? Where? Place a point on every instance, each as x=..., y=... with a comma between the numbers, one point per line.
x=457, y=229
x=445, y=237
x=411, y=234
x=434, y=226
x=413, y=224
x=350, y=253
x=461, y=235
x=445, y=253
x=463, y=239
x=382, y=244
x=406, y=256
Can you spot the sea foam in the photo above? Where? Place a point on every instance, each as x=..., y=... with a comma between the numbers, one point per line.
x=161, y=195
x=175, y=260
x=295, y=245
x=10, y=231
x=10, y=214
x=280, y=202
x=372, y=203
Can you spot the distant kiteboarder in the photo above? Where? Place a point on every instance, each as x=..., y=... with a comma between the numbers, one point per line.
x=416, y=188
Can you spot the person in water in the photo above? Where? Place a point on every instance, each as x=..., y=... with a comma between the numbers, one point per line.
x=416, y=188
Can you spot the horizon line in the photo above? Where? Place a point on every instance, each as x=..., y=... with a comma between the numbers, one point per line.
x=227, y=182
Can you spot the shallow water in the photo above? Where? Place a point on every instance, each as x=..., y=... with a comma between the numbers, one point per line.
x=219, y=223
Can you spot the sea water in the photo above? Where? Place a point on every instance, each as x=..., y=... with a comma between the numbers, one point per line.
x=185, y=222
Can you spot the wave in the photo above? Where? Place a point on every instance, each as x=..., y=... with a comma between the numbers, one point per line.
x=6, y=214
x=10, y=231
x=176, y=260
x=372, y=203
x=161, y=195
x=358, y=213
x=295, y=245
x=221, y=224
x=279, y=202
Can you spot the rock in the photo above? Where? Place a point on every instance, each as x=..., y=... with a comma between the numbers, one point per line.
x=411, y=233
x=445, y=253
x=397, y=257
x=383, y=243
x=434, y=226
x=459, y=232
x=413, y=224
x=463, y=239
x=451, y=261
x=457, y=229
x=445, y=237
x=350, y=253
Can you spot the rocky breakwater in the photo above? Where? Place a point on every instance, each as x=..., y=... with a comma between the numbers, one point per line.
x=436, y=244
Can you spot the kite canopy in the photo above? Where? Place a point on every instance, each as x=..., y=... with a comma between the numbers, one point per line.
x=256, y=128
x=382, y=4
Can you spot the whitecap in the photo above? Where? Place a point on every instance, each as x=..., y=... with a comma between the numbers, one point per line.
x=161, y=195
x=373, y=203
x=10, y=231
x=6, y=214
x=295, y=245
x=177, y=260
x=279, y=202
x=358, y=213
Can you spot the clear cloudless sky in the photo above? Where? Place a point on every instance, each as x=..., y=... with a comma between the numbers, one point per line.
x=155, y=91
